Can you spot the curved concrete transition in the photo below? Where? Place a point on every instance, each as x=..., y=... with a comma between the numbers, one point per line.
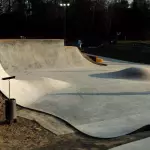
x=132, y=73
x=37, y=54
x=135, y=73
x=137, y=145
x=58, y=80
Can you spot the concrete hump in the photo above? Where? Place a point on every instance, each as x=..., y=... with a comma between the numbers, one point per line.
x=132, y=73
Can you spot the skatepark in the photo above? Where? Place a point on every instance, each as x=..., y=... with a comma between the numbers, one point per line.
x=100, y=101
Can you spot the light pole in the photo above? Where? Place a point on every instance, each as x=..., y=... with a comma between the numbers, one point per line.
x=9, y=5
x=64, y=5
x=93, y=17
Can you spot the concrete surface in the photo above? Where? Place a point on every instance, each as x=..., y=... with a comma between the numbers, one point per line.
x=50, y=123
x=49, y=54
x=58, y=80
x=138, y=145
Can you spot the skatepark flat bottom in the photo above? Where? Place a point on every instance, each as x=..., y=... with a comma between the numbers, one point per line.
x=138, y=145
x=96, y=105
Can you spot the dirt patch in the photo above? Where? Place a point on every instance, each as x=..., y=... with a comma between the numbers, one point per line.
x=24, y=134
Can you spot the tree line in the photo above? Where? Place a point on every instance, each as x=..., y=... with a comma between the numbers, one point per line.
x=84, y=19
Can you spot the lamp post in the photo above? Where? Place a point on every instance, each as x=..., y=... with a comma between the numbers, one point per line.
x=9, y=5
x=93, y=16
x=64, y=5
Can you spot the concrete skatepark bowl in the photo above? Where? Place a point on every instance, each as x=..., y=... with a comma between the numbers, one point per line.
x=58, y=80
x=138, y=145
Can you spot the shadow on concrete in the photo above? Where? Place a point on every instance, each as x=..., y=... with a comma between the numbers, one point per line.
x=108, y=94
x=119, y=75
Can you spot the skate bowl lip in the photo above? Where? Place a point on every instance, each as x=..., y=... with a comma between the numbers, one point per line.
x=10, y=40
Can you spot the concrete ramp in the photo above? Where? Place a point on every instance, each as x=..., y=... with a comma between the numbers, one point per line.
x=58, y=80
x=28, y=91
x=39, y=54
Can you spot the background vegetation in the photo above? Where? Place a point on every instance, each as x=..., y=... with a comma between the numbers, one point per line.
x=100, y=20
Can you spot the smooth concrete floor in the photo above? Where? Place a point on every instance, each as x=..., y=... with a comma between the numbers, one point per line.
x=138, y=145
x=99, y=107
